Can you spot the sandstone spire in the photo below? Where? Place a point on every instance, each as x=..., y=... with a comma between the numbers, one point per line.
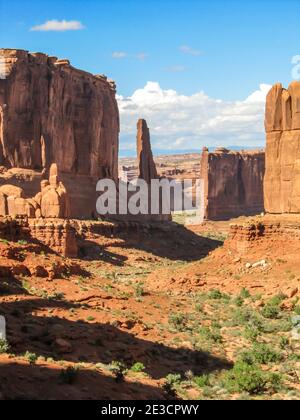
x=147, y=168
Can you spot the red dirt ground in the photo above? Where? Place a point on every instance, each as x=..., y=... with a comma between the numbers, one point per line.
x=112, y=304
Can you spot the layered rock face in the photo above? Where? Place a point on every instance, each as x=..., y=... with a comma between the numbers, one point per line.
x=233, y=183
x=52, y=201
x=50, y=113
x=282, y=123
x=147, y=168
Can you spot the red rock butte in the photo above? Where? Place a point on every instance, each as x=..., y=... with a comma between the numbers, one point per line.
x=282, y=123
x=52, y=113
x=233, y=183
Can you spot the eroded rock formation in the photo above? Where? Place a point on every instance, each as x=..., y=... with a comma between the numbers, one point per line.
x=51, y=112
x=233, y=183
x=282, y=123
x=52, y=201
x=147, y=168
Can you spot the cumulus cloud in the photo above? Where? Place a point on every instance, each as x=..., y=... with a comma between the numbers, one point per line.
x=182, y=122
x=186, y=49
x=58, y=25
x=119, y=54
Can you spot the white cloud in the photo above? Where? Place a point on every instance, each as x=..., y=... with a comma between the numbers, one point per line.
x=58, y=25
x=119, y=54
x=186, y=49
x=184, y=122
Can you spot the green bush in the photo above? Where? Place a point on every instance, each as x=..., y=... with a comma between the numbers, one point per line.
x=215, y=294
x=139, y=289
x=260, y=353
x=211, y=334
x=118, y=369
x=251, y=333
x=238, y=301
x=4, y=347
x=297, y=310
x=284, y=342
x=178, y=321
x=31, y=357
x=245, y=378
x=201, y=381
x=138, y=367
x=244, y=294
x=171, y=381
x=270, y=311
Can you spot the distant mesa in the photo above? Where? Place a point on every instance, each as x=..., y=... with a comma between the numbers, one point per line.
x=233, y=183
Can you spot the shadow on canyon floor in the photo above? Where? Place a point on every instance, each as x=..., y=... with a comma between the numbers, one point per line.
x=171, y=240
x=93, y=342
x=36, y=382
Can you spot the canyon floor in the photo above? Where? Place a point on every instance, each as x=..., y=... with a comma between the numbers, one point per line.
x=163, y=313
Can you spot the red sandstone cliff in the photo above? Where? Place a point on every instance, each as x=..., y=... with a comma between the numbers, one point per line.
x=282, y=179
x=147, y=167
x=51, y=113
x=233, y=183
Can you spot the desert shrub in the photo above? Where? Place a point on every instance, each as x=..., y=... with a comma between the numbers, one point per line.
x=276, y=300
x=244, y=293
x=247, y=316
x=245, y=378
x=260, y=353
x=118, y=369
x=31, y=357
x=201, y=381
x=238, y=301
x=270, y=311
x=210, y=334
x=284, y=342
x=198, y=307
x=178, y=321
x=171, y=381
x=138, y=367
x=69, y=375
x=251, y=333
x=4, y=346
x=215, y=294
x=297, y=310
x=139, y=289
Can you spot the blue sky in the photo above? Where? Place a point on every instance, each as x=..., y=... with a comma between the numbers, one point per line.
x=226, y=49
